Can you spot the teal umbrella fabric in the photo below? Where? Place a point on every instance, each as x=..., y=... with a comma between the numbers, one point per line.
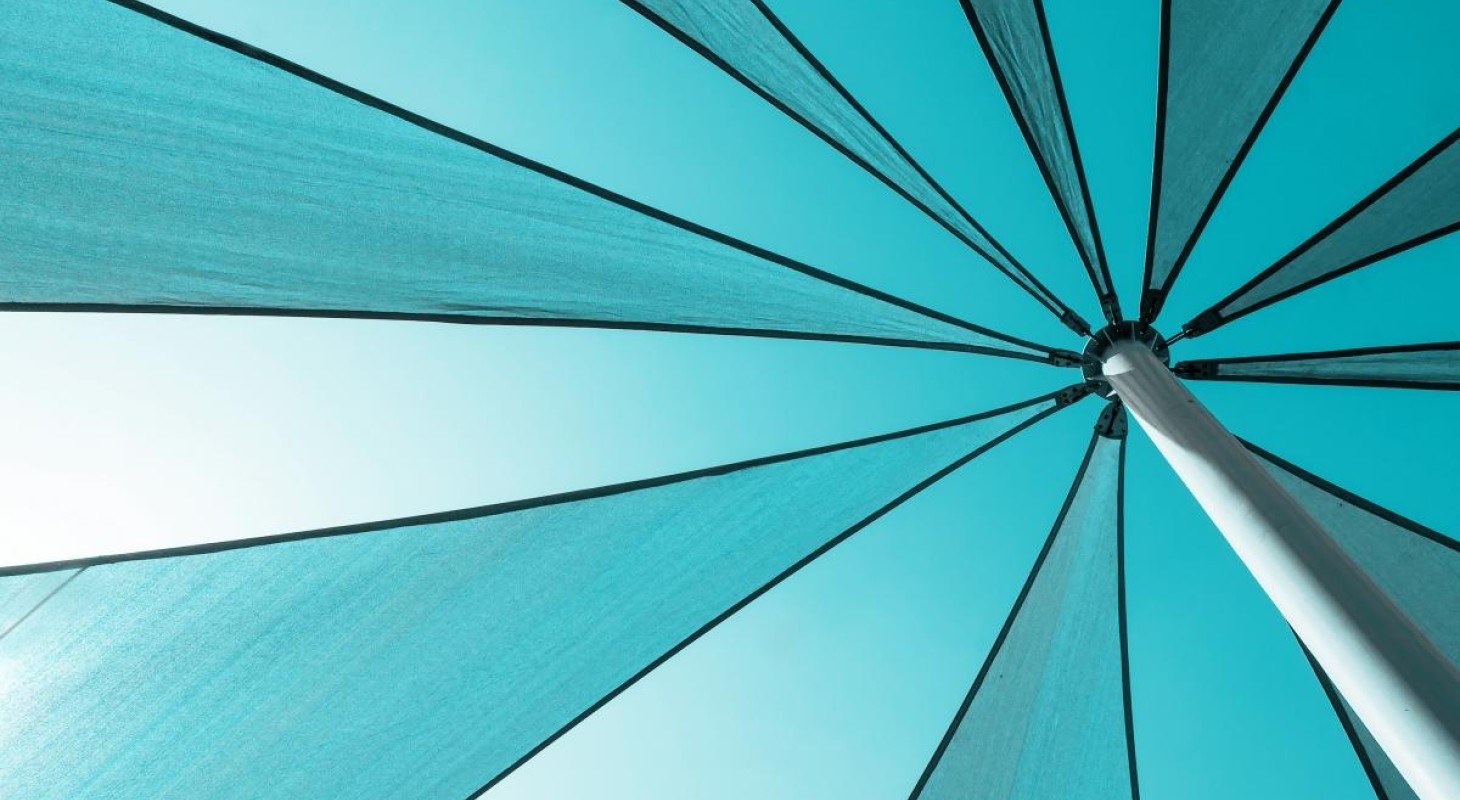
x=678, y=247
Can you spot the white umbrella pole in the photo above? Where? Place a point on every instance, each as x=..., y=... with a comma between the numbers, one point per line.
x=1405, y=691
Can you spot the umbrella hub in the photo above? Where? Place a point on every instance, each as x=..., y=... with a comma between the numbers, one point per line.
x=1102, y=340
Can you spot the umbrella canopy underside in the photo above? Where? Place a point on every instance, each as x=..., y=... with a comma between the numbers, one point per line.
x=153, y=166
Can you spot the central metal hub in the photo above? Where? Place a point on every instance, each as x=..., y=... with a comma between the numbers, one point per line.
x=1131, y=331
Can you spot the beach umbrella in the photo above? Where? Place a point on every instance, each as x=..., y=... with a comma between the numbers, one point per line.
x=156, y=166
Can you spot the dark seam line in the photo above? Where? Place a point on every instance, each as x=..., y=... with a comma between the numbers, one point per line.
x=1242, y=151
x=1353, y=499
x=528, y=322
x=1058, y=306
x=1349, y=730
x=1327, y=230
x=1373, y=258
x=1051, y=303
x=52, y=593
x=495, y=509
x=1347, y=353
x=1151, y=299
x=1130, y=729
x=1008, y=623
x=278, y=62
x=1104, y=285
x=1367, y=383
x=788, y=572
x=1024, y=128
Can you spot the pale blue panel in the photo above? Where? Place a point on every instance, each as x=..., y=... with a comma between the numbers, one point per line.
x=1049, y=719
x=739, y=33
x=415, y=661
x=1423, y=203
x=1434, y=366
x=147, y=166
x=1227, y=60
x=21, y=594
x=1014, y=37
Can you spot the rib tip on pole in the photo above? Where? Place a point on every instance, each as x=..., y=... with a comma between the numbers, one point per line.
x=1073, y=394
x=1195, y=370
x=1065, y=358
x=1103, y=341
x=1205, y=322
x=1075, y=322
x=1112, y=423
x=1110, y=307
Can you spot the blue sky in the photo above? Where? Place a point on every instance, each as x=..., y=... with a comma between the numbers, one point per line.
x=124, y=433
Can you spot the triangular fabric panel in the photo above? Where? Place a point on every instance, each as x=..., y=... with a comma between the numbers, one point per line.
x=1418, y=567
x=147, y=166
x=1416, y=366
x=1418, y=205
x=745, y=39
x=420, y=658
x=1224, y=67
x=1048, y=715
x=1015, y=38
x=20, y=595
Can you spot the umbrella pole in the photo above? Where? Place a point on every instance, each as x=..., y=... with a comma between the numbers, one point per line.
x=1405, y=691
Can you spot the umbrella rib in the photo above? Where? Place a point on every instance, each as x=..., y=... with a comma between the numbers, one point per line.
x=1343, y=719
x=1020, y=274
x=1154, y=298
x=1211, y=369
x=1061, y=397
x=771, y=584
x=1097, y=270
x=1008, y=625
x=1125, y=683
x=460, y=137
x=1051, y=355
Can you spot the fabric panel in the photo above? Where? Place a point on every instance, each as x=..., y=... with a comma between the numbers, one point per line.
x=1422, y=202
x=412, y=661
x=1014, y=37
x=149, y=167
x=1422, y=366
x=1224, y=65
x=21, y=595
x=743, y=36
x=1048, y=720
